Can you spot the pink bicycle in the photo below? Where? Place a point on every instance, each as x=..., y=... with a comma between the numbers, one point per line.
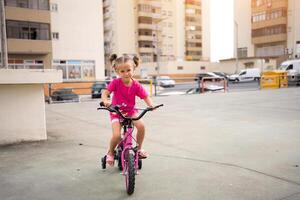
x=126, y=155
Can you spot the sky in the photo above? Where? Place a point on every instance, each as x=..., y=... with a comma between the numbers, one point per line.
x=222, y=29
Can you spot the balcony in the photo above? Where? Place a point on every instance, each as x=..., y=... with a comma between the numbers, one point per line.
x=107, y=15
x=193, y=48
x=266, y=23
x=145, y=38
x=144, y=14
x=146, y=50
x=23, y=14
x=146, y=26
x=269, y=39
x=193, y=40
x=20, y=46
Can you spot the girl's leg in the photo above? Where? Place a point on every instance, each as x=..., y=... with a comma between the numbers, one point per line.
x=115, y=139
x=140, y=132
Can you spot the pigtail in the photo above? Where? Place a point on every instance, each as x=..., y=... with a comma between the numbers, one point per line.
x=136, y=61
x=112, y=59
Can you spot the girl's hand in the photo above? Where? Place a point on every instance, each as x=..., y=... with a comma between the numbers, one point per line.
x=107, y=103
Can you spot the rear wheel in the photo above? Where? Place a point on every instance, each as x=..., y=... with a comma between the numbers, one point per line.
x=120, y=160
x=130, y=172
x=103, y=162
x=140, y=164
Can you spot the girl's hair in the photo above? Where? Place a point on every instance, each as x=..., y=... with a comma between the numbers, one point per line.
x=116, y=61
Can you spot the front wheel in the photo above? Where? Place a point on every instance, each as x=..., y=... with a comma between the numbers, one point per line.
x=130, y=173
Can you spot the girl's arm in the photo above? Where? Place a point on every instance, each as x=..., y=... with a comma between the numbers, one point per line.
x=149, y=102
x=104, y=97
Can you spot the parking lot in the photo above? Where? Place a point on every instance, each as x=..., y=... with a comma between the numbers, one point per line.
x=239, y=145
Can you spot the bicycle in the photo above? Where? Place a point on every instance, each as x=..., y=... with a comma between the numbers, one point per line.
x=126, y=155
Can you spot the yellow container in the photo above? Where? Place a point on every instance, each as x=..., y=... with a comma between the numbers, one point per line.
x=274, y=79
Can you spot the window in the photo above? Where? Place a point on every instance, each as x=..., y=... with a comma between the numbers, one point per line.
x=190, y=11
x=290, y=67
x=27, y=30
x=31, y=4
x=76, y=69
x=55, y=36
x=54, y=7
x=242, y=52
x=145, y=8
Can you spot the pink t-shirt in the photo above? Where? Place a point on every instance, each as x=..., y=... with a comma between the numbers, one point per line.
x=123, y=94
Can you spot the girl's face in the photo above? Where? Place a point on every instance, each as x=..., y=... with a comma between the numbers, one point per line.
x=125, y=71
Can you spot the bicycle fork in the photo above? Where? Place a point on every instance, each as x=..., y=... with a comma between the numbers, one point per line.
x=127, y=147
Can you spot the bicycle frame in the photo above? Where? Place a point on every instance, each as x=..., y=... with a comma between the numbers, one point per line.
x=126, y=144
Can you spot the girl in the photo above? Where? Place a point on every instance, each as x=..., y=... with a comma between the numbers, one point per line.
x=124, y=90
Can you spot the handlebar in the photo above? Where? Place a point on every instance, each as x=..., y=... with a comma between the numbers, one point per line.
x=116, y=109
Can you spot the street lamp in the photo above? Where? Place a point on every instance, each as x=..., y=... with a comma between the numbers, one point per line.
x=3, y=35
x=236, y=47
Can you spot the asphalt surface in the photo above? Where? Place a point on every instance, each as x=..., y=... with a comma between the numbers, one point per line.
x=241, y=145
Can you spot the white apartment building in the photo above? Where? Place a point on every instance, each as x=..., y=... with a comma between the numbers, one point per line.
x=293, y=30
x=167, y=31
x=77, y=39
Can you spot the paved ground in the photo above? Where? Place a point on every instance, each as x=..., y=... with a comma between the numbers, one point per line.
x=243, y=145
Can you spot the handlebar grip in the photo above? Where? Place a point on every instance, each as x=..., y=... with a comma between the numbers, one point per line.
x=160, y=105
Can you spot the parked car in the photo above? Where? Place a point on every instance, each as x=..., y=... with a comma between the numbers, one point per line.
x=252, y=74
x=97, y=89
x=291, y=66
x=64, y=94
x=206, y=74
x=222, y=74
x=165, y=81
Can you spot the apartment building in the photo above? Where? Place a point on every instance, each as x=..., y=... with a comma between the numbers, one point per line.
x=45, y=34
x=266, y=32
x=193, y=30
x=269, y=27
x=293, y=29
x=28, y=34
x=77, y=39
x=159, y=31
x=119, y=29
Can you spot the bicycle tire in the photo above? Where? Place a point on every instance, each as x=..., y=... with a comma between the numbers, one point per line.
x=103, y=162
x=120, y=160
x=140, y=164
x=130, y=173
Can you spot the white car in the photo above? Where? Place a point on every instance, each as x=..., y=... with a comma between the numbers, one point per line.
x=165, y=81
x=252, y=74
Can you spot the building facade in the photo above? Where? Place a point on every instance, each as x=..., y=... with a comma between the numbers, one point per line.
x=159, y=31
x=28, y=25
x=77, y=39
x=267, y=32
x=269, y=27
x=43, y=34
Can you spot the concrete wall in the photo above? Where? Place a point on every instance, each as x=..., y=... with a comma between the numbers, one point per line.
x=22, y=104
x=22, y=113
x=80, y=28
x=205, y=29
x=180, y=32
x=294, y=26
x=242, y=15
x=125, y=26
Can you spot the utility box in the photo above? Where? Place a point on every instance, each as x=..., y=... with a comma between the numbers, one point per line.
x=274, y=79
